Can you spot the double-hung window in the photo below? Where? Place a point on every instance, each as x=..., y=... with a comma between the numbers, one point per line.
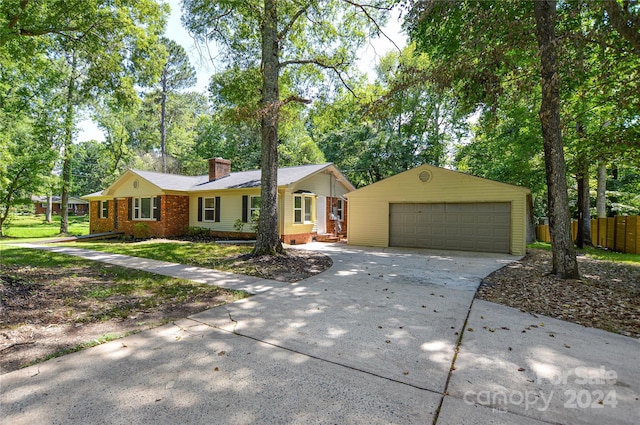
x=145, y=208
x=254, y=208
x=104, y=209
x=340, y=209
x=302, y=209
x=209, y=209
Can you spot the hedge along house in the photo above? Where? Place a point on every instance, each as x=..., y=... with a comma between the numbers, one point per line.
x=143, y=203
x=431, y=207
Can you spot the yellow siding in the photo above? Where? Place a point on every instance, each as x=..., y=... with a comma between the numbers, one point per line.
x=288, y=226
x=321, y=184
x=368, y=221
x=369, y=206
x=230, y=209
x=124, y=188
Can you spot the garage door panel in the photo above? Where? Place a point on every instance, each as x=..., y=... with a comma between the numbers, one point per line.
x=469, y=227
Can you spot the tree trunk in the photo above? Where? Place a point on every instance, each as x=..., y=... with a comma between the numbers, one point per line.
x=601, y=199
x=584, y=205
x=49, y=208
x=622, y=20
x=3, y=217
x=68, y=142
x=163, y=114
x=563, y=252
x=268, y=240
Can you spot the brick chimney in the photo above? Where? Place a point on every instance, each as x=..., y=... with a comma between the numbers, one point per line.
x=219, y=168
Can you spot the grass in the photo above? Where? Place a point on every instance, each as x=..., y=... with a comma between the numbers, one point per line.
x=10, y=255
x=209, y=255
x=35, y=226
x=59, y=288
x=47, y=288
x=597, y=253
x=93, y=343
x=99, y=283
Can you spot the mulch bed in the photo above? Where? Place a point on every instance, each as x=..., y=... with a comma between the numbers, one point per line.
x=607, y=295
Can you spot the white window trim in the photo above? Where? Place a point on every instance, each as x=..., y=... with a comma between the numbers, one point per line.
x=205, y=209
x=252, y=210
x=103, y=204
x=302, y=209
x=340, y=210
x=308, y=212
x=138, y=209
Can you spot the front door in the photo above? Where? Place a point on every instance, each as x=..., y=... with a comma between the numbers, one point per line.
x=321, y=214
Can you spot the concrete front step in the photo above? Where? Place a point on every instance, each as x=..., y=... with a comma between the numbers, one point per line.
x=329, y=237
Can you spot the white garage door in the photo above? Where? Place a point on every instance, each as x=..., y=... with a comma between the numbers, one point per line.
x=481, y=227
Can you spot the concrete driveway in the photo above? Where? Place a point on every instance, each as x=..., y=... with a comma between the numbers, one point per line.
x=372, y=340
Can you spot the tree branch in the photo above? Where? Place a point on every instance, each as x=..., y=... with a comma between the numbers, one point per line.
x=282, y=34
x=44, y=31
x=15, y=19
x=363, y=8
x=624, y=22
x=294, y=99
x=321, y=64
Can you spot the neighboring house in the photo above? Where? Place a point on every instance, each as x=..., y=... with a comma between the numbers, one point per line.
x=431, y=207
x=76, y=206
x=145, y=203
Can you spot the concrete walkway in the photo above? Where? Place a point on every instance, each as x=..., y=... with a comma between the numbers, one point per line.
x=372, y=340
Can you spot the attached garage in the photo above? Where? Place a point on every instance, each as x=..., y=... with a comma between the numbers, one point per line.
x=431, y=207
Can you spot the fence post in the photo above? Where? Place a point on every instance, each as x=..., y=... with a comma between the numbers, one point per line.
x=631, y=237
x=611, y=233
x=602, y=232
x=621, y=232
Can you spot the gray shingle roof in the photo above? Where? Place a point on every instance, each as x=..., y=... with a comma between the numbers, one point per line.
x=170, y=181
x=247, y=179
x=237, y=180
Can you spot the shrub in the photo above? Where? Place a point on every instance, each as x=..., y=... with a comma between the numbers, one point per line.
x=141, y=231
x=199, y=232
x=238, y=226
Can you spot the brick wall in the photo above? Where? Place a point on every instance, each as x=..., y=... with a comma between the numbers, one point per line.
x=97, y=224
x=77, y=209
x=40, y=209
x=55, y=208
x=297, y=239
x=332, y=203
x=174, y=214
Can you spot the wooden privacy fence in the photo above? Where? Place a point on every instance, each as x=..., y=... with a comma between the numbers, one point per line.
x=620, y=233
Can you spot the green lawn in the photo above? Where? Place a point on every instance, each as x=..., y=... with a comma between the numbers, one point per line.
x=597, y=253
x=32, y=226
x=141, y=289
x=62, y=290
x=209, y=255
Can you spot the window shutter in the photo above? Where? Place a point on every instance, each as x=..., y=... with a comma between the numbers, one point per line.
x=130, y=208
x=158, y=204
x=200, y=209
x=217, y=212
x=245, y=208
